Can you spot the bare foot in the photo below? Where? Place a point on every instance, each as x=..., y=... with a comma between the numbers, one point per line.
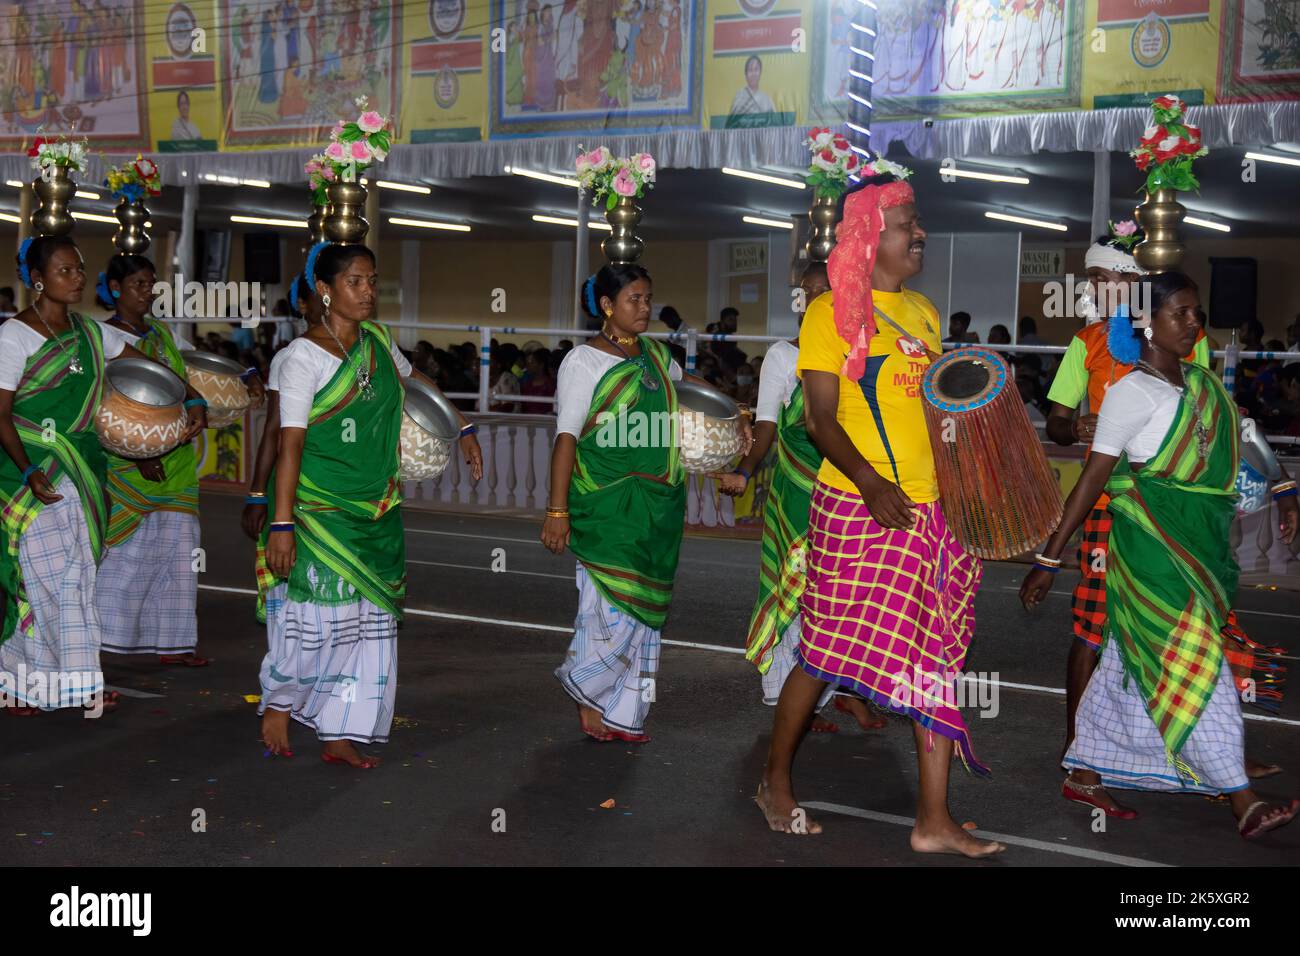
x=1257, y=769
x=593, y=723
x=343, y=751
x=948, y=837
x=275, y=731
x=820, y=725
x=857, y=708
x=783, y=814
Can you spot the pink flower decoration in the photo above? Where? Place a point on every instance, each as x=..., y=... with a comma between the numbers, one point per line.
x=624, y=184
x=1126, y=228
x=645, y=162
x=371, y=122
x=327, y=173
x=595, y=157
x=361, y=151
x=337, y=152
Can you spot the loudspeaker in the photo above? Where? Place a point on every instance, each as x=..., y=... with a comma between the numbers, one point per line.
x=262, y=257
x=1232, y=291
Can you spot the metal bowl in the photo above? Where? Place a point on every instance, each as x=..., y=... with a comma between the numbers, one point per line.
x=431, y=410
x=216, y=364
x=1258, y=453
x=710, y=427
x=146, y=382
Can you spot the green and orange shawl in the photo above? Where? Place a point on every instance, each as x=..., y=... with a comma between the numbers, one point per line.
x=627, y=500
x=782, y=575
x=1170, y=572
x=349, y=536
x=133, y=496
x=54, y=412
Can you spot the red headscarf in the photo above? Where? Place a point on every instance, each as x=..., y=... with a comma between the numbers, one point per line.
x=856, y=239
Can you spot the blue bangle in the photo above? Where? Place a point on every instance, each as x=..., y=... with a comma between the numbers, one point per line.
x=741, y=471
x=1289, y=493
x=28, y=472
x=470, y=429
x=255, y=499
x=1044, y=567
x=193, y=402
x=282, y=525
x=248, y=373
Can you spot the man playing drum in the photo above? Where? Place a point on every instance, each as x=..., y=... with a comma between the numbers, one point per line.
x=890, y=592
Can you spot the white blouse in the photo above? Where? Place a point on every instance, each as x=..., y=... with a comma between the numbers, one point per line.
x=1135, y=416
x=19, y=342
x=182, y=343
x=580, y=373
x=776, y=381
x=305, y=369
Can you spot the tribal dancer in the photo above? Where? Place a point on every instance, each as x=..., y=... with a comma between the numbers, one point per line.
x=147, y=585
x=773, y=639
x=1089, y=369
x=1162, y=711
x=52, y=476
x=618, y=501
x=335, y=549
x=889, y=604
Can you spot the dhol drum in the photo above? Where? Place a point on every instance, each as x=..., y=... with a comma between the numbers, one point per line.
x=1258, y=472
x=710, y=427
x=430, y=427
x=999, y=493
x=142, y=414
x=216, y=378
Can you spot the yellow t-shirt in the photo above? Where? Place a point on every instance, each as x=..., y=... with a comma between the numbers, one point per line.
x=882, y=412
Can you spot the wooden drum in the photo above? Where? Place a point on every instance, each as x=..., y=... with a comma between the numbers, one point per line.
x=142, y=414
x=999, y=493
x=216, y=378
x=430, y=428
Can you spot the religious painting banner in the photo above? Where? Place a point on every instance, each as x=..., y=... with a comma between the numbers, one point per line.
x=1260, y=40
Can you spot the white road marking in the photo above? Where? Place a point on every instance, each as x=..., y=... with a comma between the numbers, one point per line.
x=1239, y=610
x=984, y=834
x=132, y=692
x=481, y=537
x=555, y=628
x=473, y=567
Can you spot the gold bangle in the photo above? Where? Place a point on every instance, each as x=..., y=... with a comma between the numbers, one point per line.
x=556, y=513
x=1283, y=486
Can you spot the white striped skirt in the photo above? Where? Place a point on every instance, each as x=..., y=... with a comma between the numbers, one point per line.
x=332, y=668
x=785, y=657
x=58, y=666
x=148, y=587
x=612, y=662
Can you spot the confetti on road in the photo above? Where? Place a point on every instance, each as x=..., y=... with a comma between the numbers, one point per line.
x=252, y=699
x=608, y=804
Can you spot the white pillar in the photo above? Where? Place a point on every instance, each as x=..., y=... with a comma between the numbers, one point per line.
x=563, y=294
x=581, y=260
x=410, y=292
x=185, y=264
x=1100, y=193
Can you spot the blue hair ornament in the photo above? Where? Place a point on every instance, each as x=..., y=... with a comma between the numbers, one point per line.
x=589, y=296
x=293, y=294
x=1122, y=339
x=102, y=290
x=310, y=269
x=24, y=272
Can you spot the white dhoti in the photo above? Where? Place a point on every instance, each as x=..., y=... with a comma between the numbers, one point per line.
x=147, y=587
x=332, y=668
x=58, y=665
x=612, y=660
x=785, y=657
x=1116, y=737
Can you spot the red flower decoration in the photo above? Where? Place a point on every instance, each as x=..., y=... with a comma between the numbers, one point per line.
x=1143, y=160
x=1164, y=102
x=36, y=146
x=851, y=163
x=841, y=142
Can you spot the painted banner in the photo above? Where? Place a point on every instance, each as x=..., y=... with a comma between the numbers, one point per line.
x=1135, y=47
x=758, y=64
x=184, y=98
x=445, y=95
x=1261, y=50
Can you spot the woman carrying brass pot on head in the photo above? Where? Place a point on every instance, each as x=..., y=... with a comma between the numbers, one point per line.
x=52, y=476
x=618, y=502
x=335, y=558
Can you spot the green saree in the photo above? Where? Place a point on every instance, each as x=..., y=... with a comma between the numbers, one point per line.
x=349, y=536
x=54, y=412
x=782, y=573
x=627, y=500
x=1171, y=574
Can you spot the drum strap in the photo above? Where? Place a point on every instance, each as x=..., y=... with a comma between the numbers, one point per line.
x=907, y=335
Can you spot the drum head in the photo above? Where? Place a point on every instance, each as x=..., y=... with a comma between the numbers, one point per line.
x=964, y=379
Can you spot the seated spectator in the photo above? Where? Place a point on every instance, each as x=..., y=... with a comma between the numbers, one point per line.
x=538, y=382
x=958, y=329
x=502, y=383
x=8, y=304
x=1282, y=417
x=1029, y=332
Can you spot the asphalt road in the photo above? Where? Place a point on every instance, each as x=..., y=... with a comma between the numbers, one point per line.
x=485, y=737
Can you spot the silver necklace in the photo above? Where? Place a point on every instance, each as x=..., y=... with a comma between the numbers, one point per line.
x=363, y=375
x=74, y=361
x=1202, y=433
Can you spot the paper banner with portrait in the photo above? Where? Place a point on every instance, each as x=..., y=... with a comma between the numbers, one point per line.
x=445, y=98
x=759, y=57
x=184, y=101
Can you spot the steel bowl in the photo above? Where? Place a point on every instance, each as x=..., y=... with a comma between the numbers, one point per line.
x=710, y=427
x=430, y=427
x=146, y=382
x=1257, y=451
x=215, y=364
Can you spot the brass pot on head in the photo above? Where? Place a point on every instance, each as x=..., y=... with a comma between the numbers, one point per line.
x=55, y=189
x=316, y=224
x=1159, y=215
x=824, y=215
x=623, y=246
x=344, y=222
x=130, y=236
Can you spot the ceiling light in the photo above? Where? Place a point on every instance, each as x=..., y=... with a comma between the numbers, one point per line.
x=93, y=217
x=764, y=178
x=259, y=221
x=859, y=99
x=7, y=217
x=428, y=224
x=858, y=129
x=1274, y=158
x=561, y=221
x=980, y=174
x=1025, y=220
x=14, y=183
x=544, y=177
x=404, y=187
x=774, y=223
x=869, y=56
x=1206, y=223
x=86, y=194
x=236, y=181
x=861, y=29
